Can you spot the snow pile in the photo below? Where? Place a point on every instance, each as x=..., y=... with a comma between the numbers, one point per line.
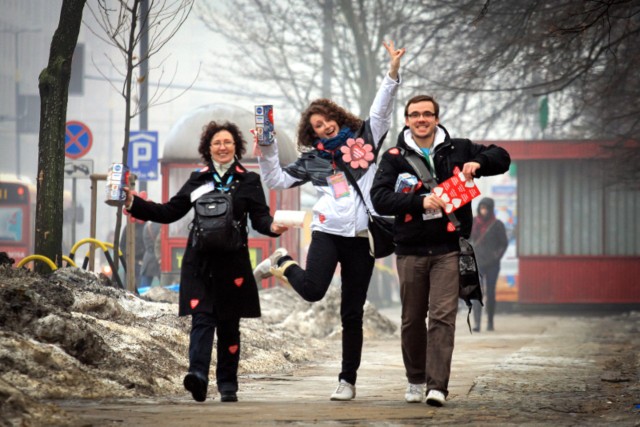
x=71, y=335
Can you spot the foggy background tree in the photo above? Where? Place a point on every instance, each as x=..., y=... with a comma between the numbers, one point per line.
x=581, y=56
x=288, y=44
x=53, y=84
x=522, y=69
x=126, y=25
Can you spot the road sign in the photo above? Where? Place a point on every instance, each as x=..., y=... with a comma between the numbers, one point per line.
x=143, y=154
x=77, y=140
x=78, y=168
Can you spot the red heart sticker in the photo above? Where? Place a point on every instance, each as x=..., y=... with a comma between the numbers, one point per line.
x=322, y=218
x=194, y=303
x=408, y=218
x=239, y=281
x=233, y=349
x=239, y=169
x=451, y=228
x=394, y=151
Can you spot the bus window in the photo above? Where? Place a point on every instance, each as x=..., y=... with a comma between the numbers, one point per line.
x=11, y=224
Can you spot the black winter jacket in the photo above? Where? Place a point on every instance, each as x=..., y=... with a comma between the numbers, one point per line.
x=221, y=282
x=412, y=234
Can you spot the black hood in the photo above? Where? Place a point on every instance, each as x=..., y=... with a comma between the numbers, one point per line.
x=489, y=203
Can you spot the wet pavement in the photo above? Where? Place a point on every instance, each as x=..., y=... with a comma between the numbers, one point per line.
x=535, y=369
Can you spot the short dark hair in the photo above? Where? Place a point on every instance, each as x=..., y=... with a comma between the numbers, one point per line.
x=211, y=129
x=422, y=98
x=329, y=109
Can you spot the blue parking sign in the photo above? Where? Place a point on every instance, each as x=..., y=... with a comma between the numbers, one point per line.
x=143, y=154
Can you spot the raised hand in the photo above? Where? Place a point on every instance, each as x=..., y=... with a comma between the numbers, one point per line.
x=394, y=55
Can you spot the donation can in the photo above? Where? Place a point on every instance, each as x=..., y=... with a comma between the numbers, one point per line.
x=117, y=179
x=264, y=124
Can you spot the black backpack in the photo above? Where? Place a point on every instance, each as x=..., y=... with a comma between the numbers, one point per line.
x=214, y=228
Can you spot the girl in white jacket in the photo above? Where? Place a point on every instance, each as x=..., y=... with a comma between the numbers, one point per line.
x=331, y=139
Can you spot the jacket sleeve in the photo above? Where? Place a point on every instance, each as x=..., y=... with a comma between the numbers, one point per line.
x=382, y=108
x=493, y=160
x=384, y=198
x=164, y=213
x=274, y=176
x=259, y=214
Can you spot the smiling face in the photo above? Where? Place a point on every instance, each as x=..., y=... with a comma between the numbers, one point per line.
x=422, y=122
x=222, y=147
x=323, y=127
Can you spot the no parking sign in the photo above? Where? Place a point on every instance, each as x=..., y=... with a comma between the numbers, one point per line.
x=77, y=139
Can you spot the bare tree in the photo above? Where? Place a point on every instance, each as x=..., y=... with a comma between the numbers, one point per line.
x=54, y=92
x=583, y=55
x=121, y=28
x=284, y=44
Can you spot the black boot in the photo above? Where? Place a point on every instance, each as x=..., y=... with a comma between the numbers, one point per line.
x=196, y=383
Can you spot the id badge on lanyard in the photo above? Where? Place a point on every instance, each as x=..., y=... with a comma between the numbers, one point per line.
x=339, y=185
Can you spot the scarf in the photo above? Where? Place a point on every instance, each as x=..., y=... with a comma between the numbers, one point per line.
x=327, y=147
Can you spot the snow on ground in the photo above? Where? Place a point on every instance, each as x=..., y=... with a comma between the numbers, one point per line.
x=71, y=335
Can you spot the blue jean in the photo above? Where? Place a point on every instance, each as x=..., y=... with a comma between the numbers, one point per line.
x=325, y=252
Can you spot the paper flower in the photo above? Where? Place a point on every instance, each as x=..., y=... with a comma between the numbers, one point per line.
x=357, y=153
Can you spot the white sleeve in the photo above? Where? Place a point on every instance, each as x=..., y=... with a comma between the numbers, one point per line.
x=382, y=107
x=271, y=172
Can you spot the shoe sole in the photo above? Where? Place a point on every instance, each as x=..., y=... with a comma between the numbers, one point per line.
x=413, y=400
x=434, y=402
x=194, y=385
x=229, y=399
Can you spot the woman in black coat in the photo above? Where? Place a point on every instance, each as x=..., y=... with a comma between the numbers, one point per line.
x=217, y=288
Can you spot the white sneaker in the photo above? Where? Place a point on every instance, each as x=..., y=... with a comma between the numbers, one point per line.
x=263, y=270
x=435, y=398
x=415, y=393
x=345, y=391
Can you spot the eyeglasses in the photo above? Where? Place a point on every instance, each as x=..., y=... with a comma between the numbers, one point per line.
x=425, y=114
x=218, y=144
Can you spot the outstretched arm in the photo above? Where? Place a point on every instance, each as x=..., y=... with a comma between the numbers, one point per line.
x=382, y=107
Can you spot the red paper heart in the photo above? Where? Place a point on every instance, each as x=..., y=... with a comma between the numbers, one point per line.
x=239, y=281
x=194, y=303
x=233, y=349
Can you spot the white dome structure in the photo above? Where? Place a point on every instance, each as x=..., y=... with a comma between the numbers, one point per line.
x=184, y=136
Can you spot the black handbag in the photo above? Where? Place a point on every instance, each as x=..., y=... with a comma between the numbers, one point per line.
x=470, y=287
x=380, y=236
x=380, y=228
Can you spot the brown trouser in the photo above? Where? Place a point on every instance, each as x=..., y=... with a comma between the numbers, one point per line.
x=428, y=285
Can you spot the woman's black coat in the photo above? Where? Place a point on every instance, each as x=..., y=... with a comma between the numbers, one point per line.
x=216, y=282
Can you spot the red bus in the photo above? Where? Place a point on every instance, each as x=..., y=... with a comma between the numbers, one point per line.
x=18, y=217
x=17, y=209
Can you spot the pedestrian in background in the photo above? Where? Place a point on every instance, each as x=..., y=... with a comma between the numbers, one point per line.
x=332, y=139
x=151, y=259
x=427, y=245
x=217, y=287
x=489, y=239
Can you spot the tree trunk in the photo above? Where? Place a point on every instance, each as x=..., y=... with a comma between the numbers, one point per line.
x=54, y=92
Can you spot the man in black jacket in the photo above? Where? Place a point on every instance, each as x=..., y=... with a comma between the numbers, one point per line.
x=427, y=243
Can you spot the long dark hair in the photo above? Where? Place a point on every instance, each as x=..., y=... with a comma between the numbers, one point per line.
x=329, y=109
x=209, y=130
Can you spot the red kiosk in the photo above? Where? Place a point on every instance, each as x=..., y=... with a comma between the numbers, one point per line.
x=578, y=237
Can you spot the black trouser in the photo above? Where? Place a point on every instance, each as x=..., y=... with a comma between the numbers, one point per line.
x=489, y=278
x=325, y=252
x=203, y=326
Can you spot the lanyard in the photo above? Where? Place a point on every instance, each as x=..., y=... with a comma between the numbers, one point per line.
x=218, y=185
